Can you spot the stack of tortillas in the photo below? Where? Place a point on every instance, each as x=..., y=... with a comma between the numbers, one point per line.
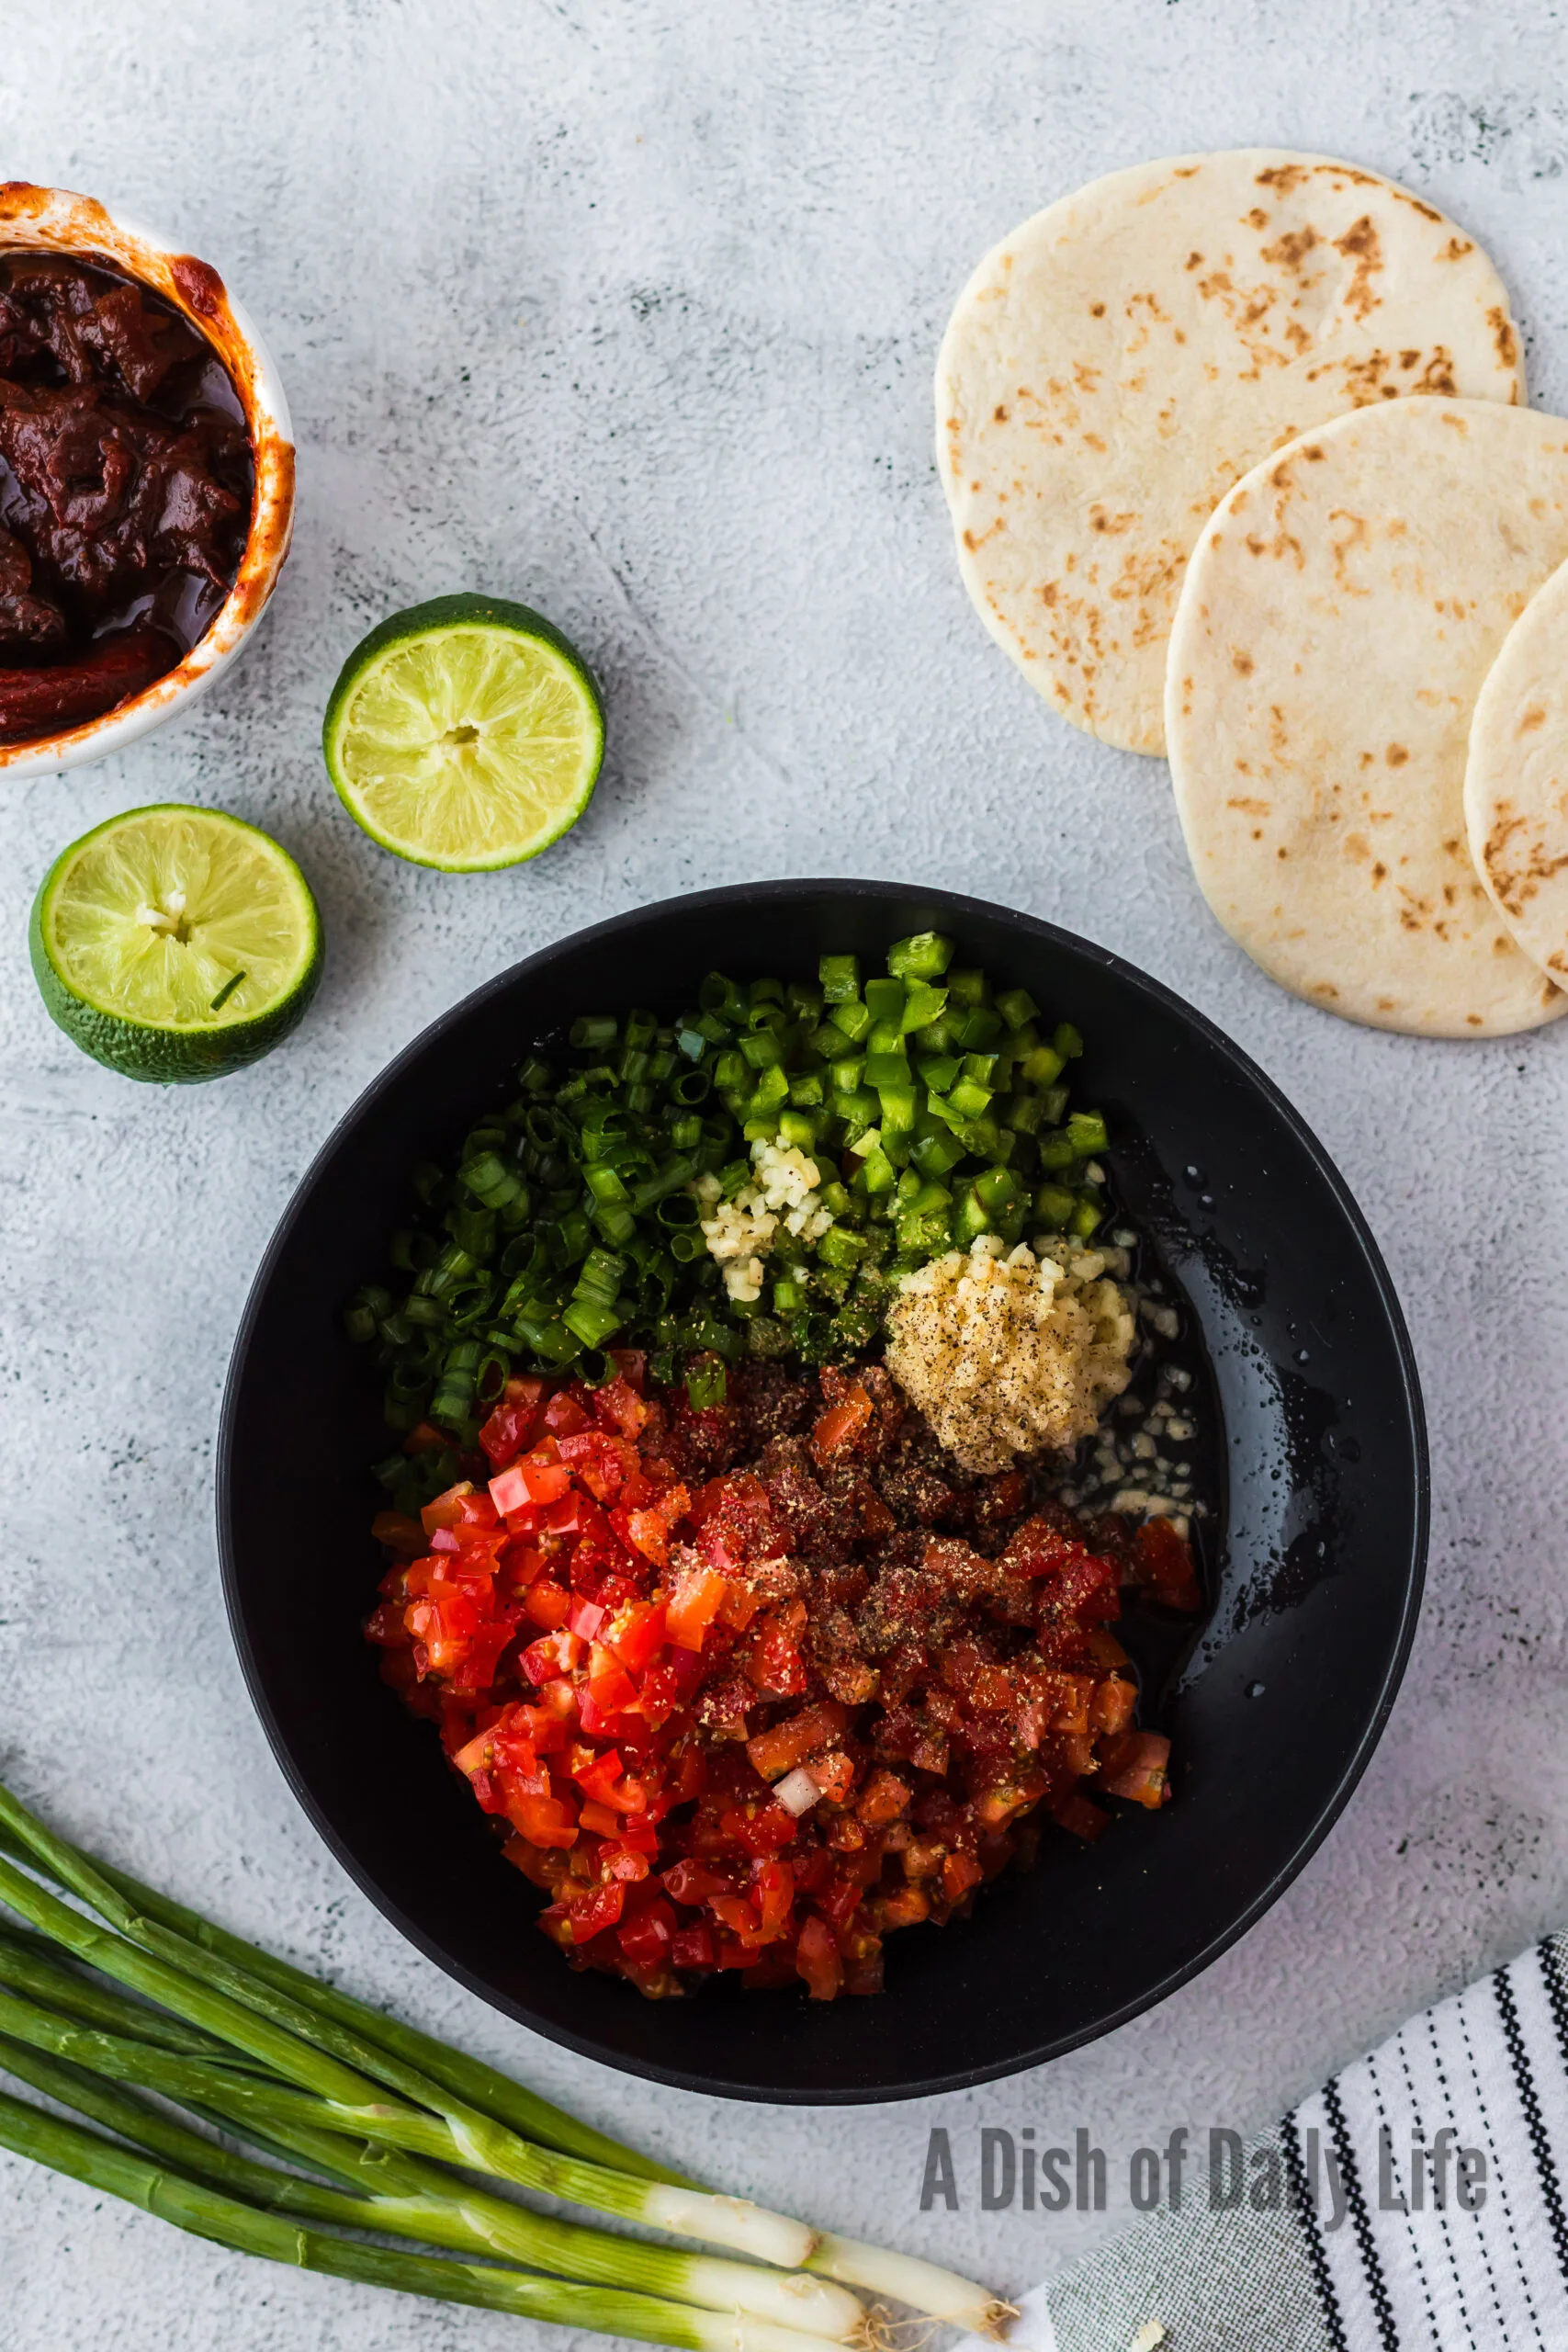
x=1191, y=502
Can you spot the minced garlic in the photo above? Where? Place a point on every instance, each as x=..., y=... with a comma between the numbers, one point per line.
x=741, y=1232
x=1011, y=1355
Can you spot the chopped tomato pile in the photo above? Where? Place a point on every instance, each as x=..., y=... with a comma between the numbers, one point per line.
x=751, y=1687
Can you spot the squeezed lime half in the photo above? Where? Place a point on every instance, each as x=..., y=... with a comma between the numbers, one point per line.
x=175, y=944
x=464, y=733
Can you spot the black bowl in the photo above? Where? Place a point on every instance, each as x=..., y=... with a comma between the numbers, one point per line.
x=1315, y=1556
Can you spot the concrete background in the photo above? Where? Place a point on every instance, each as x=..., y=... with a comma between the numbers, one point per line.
x=630, y=309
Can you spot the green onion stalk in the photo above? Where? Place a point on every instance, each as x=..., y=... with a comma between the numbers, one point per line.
x=264, y=2051
x=496, y=2094
x=401, y=2196
x=349, y=2095
x=208, y=2212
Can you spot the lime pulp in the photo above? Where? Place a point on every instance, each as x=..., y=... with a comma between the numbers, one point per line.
x=465, y=734
x=175, y=944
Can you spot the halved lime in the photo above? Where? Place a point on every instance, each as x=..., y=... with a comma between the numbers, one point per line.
x=175, y=944
x=465, y=734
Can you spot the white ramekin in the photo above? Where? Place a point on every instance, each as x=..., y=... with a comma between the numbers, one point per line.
x=54, y=221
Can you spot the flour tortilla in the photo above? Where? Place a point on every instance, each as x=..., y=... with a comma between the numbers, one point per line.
x=1515, y=780
x=1337, y=623
x=1123, y=358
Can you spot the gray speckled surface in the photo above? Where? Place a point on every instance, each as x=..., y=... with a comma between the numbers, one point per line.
x=630, y=309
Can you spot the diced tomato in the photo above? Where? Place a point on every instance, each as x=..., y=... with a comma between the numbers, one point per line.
x=517, y=1735
x=1165, y=1566
x=552, y=1655
x=660, y=1692
x=647, y=1530
x=564, y=1517
x=1076, y=1695
x=959, y=1874
x=996, y=1807
x=692, y=1606
x=623, y=1861
x=646, y=1938
x=636, y=1633
x=547, y=1732
x=589, y=1915
x=817, y=1960
x=511, y=1426
x=564, y=1416
x=733, y=1911
x=1039, y=1549
x=862, y=1963
x=602, y=1463
x=476, y=1669
x=834, y=1776
x=456, y=1627
x=475, y=1756
x=1110, y=1709
x=639, y=1830
x=1090, y=1589
x=504, y=1789
x=885, y=1797
x=838, y=1898
x=544, y=1480
x=618, y=1406
x=840, y=1425
x=545, y=1821
x=688, y=1881
x=599, y=1773
x=596, y=1771
x=1137, y=1766
x=739, y=1604
x=509, y=1491
x=788, y=1743
x=776, y=1897
x=735, y=1517
x=521, y=1563
x=618, y=1771
x=610, y=1686
x=632, y=1796
x=601, y=1722
x=548, y=1603
x=446, y=1509
x=759, y=1829
x=773, y=1661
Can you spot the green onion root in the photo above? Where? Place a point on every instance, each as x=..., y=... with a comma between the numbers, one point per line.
x=935, y=2293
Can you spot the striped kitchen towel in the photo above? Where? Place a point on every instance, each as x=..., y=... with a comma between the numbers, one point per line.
x=1417, y=2203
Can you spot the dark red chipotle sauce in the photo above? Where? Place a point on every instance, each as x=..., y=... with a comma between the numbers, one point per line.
x=126, y=479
